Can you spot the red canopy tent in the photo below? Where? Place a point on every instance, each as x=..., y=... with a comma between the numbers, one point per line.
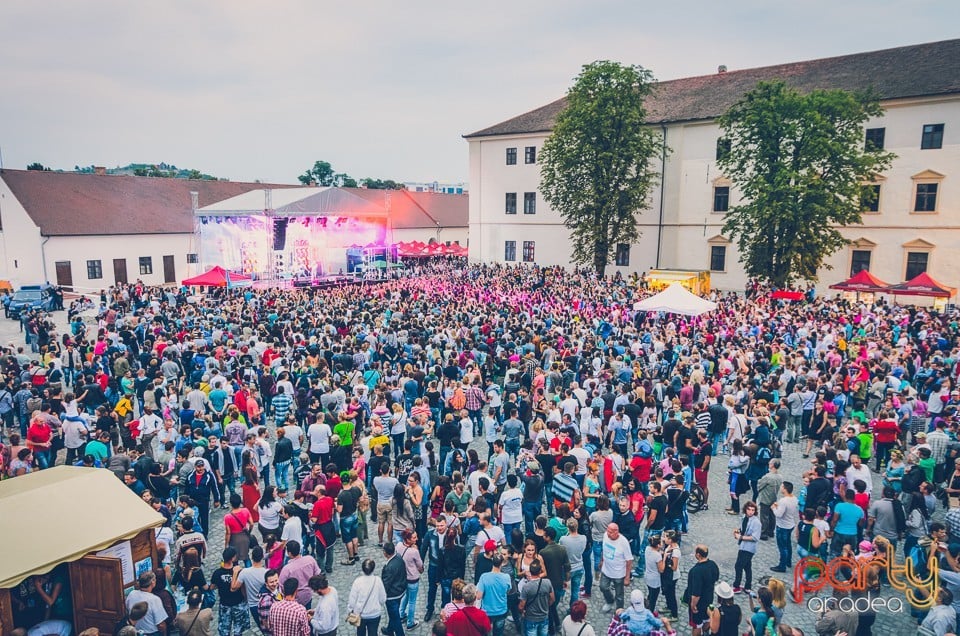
x=862, y=281
x=786, y=294
x=218, y=277
x=921, y=285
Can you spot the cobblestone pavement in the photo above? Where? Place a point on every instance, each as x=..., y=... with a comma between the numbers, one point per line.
x=712, y=527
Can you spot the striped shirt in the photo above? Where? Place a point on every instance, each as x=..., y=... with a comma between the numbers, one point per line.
x=564, y=486
x=281, y=406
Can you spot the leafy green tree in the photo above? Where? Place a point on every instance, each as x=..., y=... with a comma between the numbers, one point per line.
x=381, y=184
x=321, y=173
x=596, y=165
x=38, y=166
x=799, y=162
x=343, y=180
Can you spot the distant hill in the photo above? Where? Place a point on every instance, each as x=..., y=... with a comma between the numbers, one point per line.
x=153, y=170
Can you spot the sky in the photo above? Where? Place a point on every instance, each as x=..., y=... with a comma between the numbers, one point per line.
x=260, y=90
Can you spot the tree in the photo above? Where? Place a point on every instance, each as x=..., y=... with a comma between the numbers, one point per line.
x=381, y=184
x=799, y=162
x=596, y=165
x=38, y=166
x=321, y=173
x=343, y=180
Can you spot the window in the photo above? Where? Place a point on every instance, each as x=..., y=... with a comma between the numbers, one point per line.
x=718, y=258
x=874, y=139
x=510, y=251
x=623, y=255
x=916, y=263
x=146, y=265
x=723, y=148
x=510, y=204
x=870, y=198
x=926, y=199
x=94, y=270
x=932, y=137
x=511, y=156
x=859, y=261
x=529, y=202
x=530, y=154
x=529, y=248
x=192, y=259
x=721, y=198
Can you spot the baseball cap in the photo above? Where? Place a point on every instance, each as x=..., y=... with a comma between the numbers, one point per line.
x=489, y=545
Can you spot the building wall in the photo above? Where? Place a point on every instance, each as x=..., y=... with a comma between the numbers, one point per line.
x=20, y=242
x=452, y=234
x=689, y=226
x=77, y=250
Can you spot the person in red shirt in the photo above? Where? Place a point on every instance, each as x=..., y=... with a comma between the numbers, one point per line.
x=39, y=440
x=640, y=468
x=469, y=620
x=322, y=519
x=334, y=484
x=885, y=432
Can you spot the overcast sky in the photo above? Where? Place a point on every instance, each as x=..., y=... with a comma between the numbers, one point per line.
x=260, y=90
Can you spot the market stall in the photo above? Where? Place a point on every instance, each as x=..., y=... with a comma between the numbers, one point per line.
x=924, y=285
x=82, y=525
x=218, y=277
x=861, y=286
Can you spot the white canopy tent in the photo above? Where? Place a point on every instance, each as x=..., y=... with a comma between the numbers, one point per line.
x=675, y=299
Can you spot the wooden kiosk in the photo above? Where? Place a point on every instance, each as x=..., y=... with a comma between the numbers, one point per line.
x=86, y=518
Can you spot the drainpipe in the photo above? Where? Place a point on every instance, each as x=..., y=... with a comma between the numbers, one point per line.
x=663, y=177
x=43, y=258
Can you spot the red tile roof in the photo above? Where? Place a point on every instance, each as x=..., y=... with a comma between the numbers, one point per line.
x=72, y=204
x=910, y=71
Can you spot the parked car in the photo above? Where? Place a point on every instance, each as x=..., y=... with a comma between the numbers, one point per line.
x=30, y=297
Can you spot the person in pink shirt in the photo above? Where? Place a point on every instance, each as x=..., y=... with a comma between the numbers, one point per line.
x=253, y=408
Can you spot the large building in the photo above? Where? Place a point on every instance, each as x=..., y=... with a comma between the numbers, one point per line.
x=89, y=231
x=914, y=228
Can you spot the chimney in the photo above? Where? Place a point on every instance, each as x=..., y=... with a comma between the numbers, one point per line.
x=100, y=171
x=194, y=200
x=721, y=69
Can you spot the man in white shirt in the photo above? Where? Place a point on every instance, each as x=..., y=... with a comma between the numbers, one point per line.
x=616, y=563
x=152, y=623
x=319, y=436
x=150, y=424
x=466, y=430
x=488, y=532
x=326, y=615
x=75, y=433
x=510, y=506
x=787, y=513
x=856, y=471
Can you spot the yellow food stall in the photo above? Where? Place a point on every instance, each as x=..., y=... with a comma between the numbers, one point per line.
x=695, y=281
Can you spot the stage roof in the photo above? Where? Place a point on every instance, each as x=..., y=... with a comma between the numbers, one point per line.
x=254, y=201
x=404, y=209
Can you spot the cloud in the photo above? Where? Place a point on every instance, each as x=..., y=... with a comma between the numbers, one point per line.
x=250, y=90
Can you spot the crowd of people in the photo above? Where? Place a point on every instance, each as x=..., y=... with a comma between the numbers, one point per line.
x=510, y=438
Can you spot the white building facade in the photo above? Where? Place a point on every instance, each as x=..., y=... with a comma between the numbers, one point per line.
x=914, y=228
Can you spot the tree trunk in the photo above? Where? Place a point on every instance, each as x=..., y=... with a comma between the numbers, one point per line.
x=600, y=259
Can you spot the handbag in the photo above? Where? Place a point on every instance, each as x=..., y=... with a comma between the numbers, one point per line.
x=354, y=618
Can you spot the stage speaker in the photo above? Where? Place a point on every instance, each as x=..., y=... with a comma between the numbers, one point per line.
x=279, y=234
